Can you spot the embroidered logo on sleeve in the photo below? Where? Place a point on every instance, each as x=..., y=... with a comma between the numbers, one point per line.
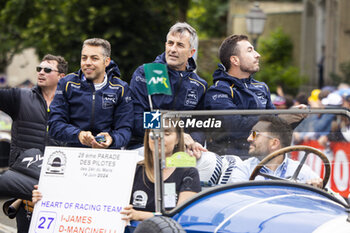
x=262, y=98
x=140, y=79
x=219, y=96
x=127, y=99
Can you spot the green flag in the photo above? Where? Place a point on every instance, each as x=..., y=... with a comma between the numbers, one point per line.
x=157, y=79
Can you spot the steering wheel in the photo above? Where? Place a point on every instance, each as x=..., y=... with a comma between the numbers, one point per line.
x=288, y=149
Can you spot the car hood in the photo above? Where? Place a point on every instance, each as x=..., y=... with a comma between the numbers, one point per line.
x=266, y=208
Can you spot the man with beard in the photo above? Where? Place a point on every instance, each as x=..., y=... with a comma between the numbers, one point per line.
x=235, y=88
x=268, y=135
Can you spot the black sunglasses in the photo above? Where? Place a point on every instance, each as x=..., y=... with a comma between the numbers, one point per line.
x=46, y=70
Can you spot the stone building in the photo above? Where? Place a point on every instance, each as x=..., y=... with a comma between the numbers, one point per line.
x=319, y=29
x=22, y=68
x=325, y=32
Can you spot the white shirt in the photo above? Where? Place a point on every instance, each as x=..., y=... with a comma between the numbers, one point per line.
x=243, y=170
x=99, y=86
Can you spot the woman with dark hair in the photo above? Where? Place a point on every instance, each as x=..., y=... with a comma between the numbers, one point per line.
x=184, y=181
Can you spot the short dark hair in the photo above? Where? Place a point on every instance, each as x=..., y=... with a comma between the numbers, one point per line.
x=347, y=98
x=279, y=128
x=228, y=48
x=100, y=42
x=289, y=100
x=302, y=98
x=62, y=64
x=323, y=94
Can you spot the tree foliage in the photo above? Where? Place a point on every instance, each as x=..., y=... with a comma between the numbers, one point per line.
x=209, y=17
x=12, y=25
x=276, y=67
x=136, y=29
x=343, y=76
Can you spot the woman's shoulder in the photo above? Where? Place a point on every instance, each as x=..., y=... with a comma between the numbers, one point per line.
x=139, y=167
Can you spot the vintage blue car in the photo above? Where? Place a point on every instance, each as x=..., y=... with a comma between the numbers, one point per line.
x=264, y=206
x=257, y=206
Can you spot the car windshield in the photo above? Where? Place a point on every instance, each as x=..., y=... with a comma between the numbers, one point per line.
x=239, y=135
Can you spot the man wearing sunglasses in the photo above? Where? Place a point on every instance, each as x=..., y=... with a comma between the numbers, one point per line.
x=28, y=109
x=270, y=134
x=93, y=107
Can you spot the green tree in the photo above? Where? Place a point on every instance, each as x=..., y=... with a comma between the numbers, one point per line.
x=276, y=63
x=136, y=29
x=12, y=24
x=209, y=17
x=343, y=76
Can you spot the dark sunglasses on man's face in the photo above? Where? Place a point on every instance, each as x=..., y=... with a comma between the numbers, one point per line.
x=46, y=70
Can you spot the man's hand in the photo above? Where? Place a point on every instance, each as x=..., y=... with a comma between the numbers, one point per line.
x=301, y=106
x=86, y=138
x=323, y=140
x=316, y=182
x=129, y=213
x=193, y=148
x=36, y=195
x=294, y=119
x=102, y=145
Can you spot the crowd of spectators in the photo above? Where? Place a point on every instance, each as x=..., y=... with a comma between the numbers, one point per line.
x=321, y=127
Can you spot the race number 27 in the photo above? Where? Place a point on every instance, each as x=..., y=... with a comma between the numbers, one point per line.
x=45, y=222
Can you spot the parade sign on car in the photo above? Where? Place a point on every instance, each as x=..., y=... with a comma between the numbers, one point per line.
x=83, y=190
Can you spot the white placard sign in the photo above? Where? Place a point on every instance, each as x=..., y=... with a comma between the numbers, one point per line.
x=83, y=190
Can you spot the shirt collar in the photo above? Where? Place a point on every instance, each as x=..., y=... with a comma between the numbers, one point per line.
x=99, y=86
x=281, y=167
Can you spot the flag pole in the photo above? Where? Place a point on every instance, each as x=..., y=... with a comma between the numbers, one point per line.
x=158, y=174
x=158, y=181
x=157, y=81
x=150, y=102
